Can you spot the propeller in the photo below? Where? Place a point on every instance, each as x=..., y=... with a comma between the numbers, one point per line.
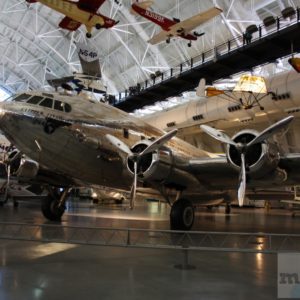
x=136, y=157
x=243, y=147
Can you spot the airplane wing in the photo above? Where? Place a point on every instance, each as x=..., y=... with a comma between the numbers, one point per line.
x=58, y=82
x=69, y=24
x=160, y=37
x=90, y=5
x=193, y=22
x=217, y=173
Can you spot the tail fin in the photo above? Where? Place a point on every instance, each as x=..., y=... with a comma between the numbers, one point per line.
x=200, y=90
x=144, y=4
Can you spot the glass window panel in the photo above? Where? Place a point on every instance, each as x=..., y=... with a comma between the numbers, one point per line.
x=58, y=105
x=35, y=100
x=47, y=102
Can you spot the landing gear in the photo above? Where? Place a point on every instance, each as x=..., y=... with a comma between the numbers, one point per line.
x=168, y=40
x=182, y=215
x=49, y=128
x=227, y=209
x=98, y=26
x=190, y=44
x=53, y=206
x=88, y=35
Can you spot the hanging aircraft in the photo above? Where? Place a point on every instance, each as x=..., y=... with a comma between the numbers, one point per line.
x=86, y=143
x=175, y=27
x=90, y=78
x=80, y=12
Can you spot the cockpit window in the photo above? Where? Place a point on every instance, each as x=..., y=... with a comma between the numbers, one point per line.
x=47, y=102
x=68, y=107
x=22, y=97
x=35, y=100
x=58, y=105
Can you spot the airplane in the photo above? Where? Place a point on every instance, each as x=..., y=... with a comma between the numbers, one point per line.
x=80, y=12
x=175, y=27
x=282, y=98
x=72, y=143
x=90, y=78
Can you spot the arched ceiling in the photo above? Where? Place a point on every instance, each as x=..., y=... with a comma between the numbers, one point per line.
x=33, y=46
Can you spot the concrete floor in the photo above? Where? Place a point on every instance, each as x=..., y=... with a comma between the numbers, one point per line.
x=31, y=270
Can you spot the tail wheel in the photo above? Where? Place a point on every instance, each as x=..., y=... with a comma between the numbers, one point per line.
x=182, y=215
x=51, y=208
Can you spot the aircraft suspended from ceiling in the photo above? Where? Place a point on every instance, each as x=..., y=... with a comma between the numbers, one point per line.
x=77, y=13
x=90, y=78
x=175, y=27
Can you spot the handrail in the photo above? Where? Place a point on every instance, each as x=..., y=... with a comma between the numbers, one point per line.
x=210, y=55
x=156, y=239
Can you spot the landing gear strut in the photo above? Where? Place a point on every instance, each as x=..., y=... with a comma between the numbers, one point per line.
x=53, y=206
x=227, y=209
x=182, y=215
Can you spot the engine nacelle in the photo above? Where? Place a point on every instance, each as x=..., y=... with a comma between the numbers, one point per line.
x=260, y=159
x=162, y=166
x=28, y=169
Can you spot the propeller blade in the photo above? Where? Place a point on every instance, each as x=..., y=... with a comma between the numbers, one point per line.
x=119, y=144
x=242, y=181
x=218, y=135
x=159, y=142
x=268, y=132
x=134, y=185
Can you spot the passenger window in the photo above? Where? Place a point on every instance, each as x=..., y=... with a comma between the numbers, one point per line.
x=35, y=100
x=22, y=97
x=67, y=107
x=47, y=102
x=58, y=105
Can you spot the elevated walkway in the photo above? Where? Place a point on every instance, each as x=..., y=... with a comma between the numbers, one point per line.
x=267, y=44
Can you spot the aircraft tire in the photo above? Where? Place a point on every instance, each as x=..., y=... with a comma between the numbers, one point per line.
x=98, y=26
x=50, y=208
x=88, y=35
x=182, y=215
x=49, y=128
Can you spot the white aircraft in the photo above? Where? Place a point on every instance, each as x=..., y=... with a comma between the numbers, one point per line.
x=90, y=78
x=226, y=112
x=175, y=27
x=73, y=143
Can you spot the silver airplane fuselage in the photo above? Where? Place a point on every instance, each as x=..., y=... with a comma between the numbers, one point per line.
x=69, y=136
